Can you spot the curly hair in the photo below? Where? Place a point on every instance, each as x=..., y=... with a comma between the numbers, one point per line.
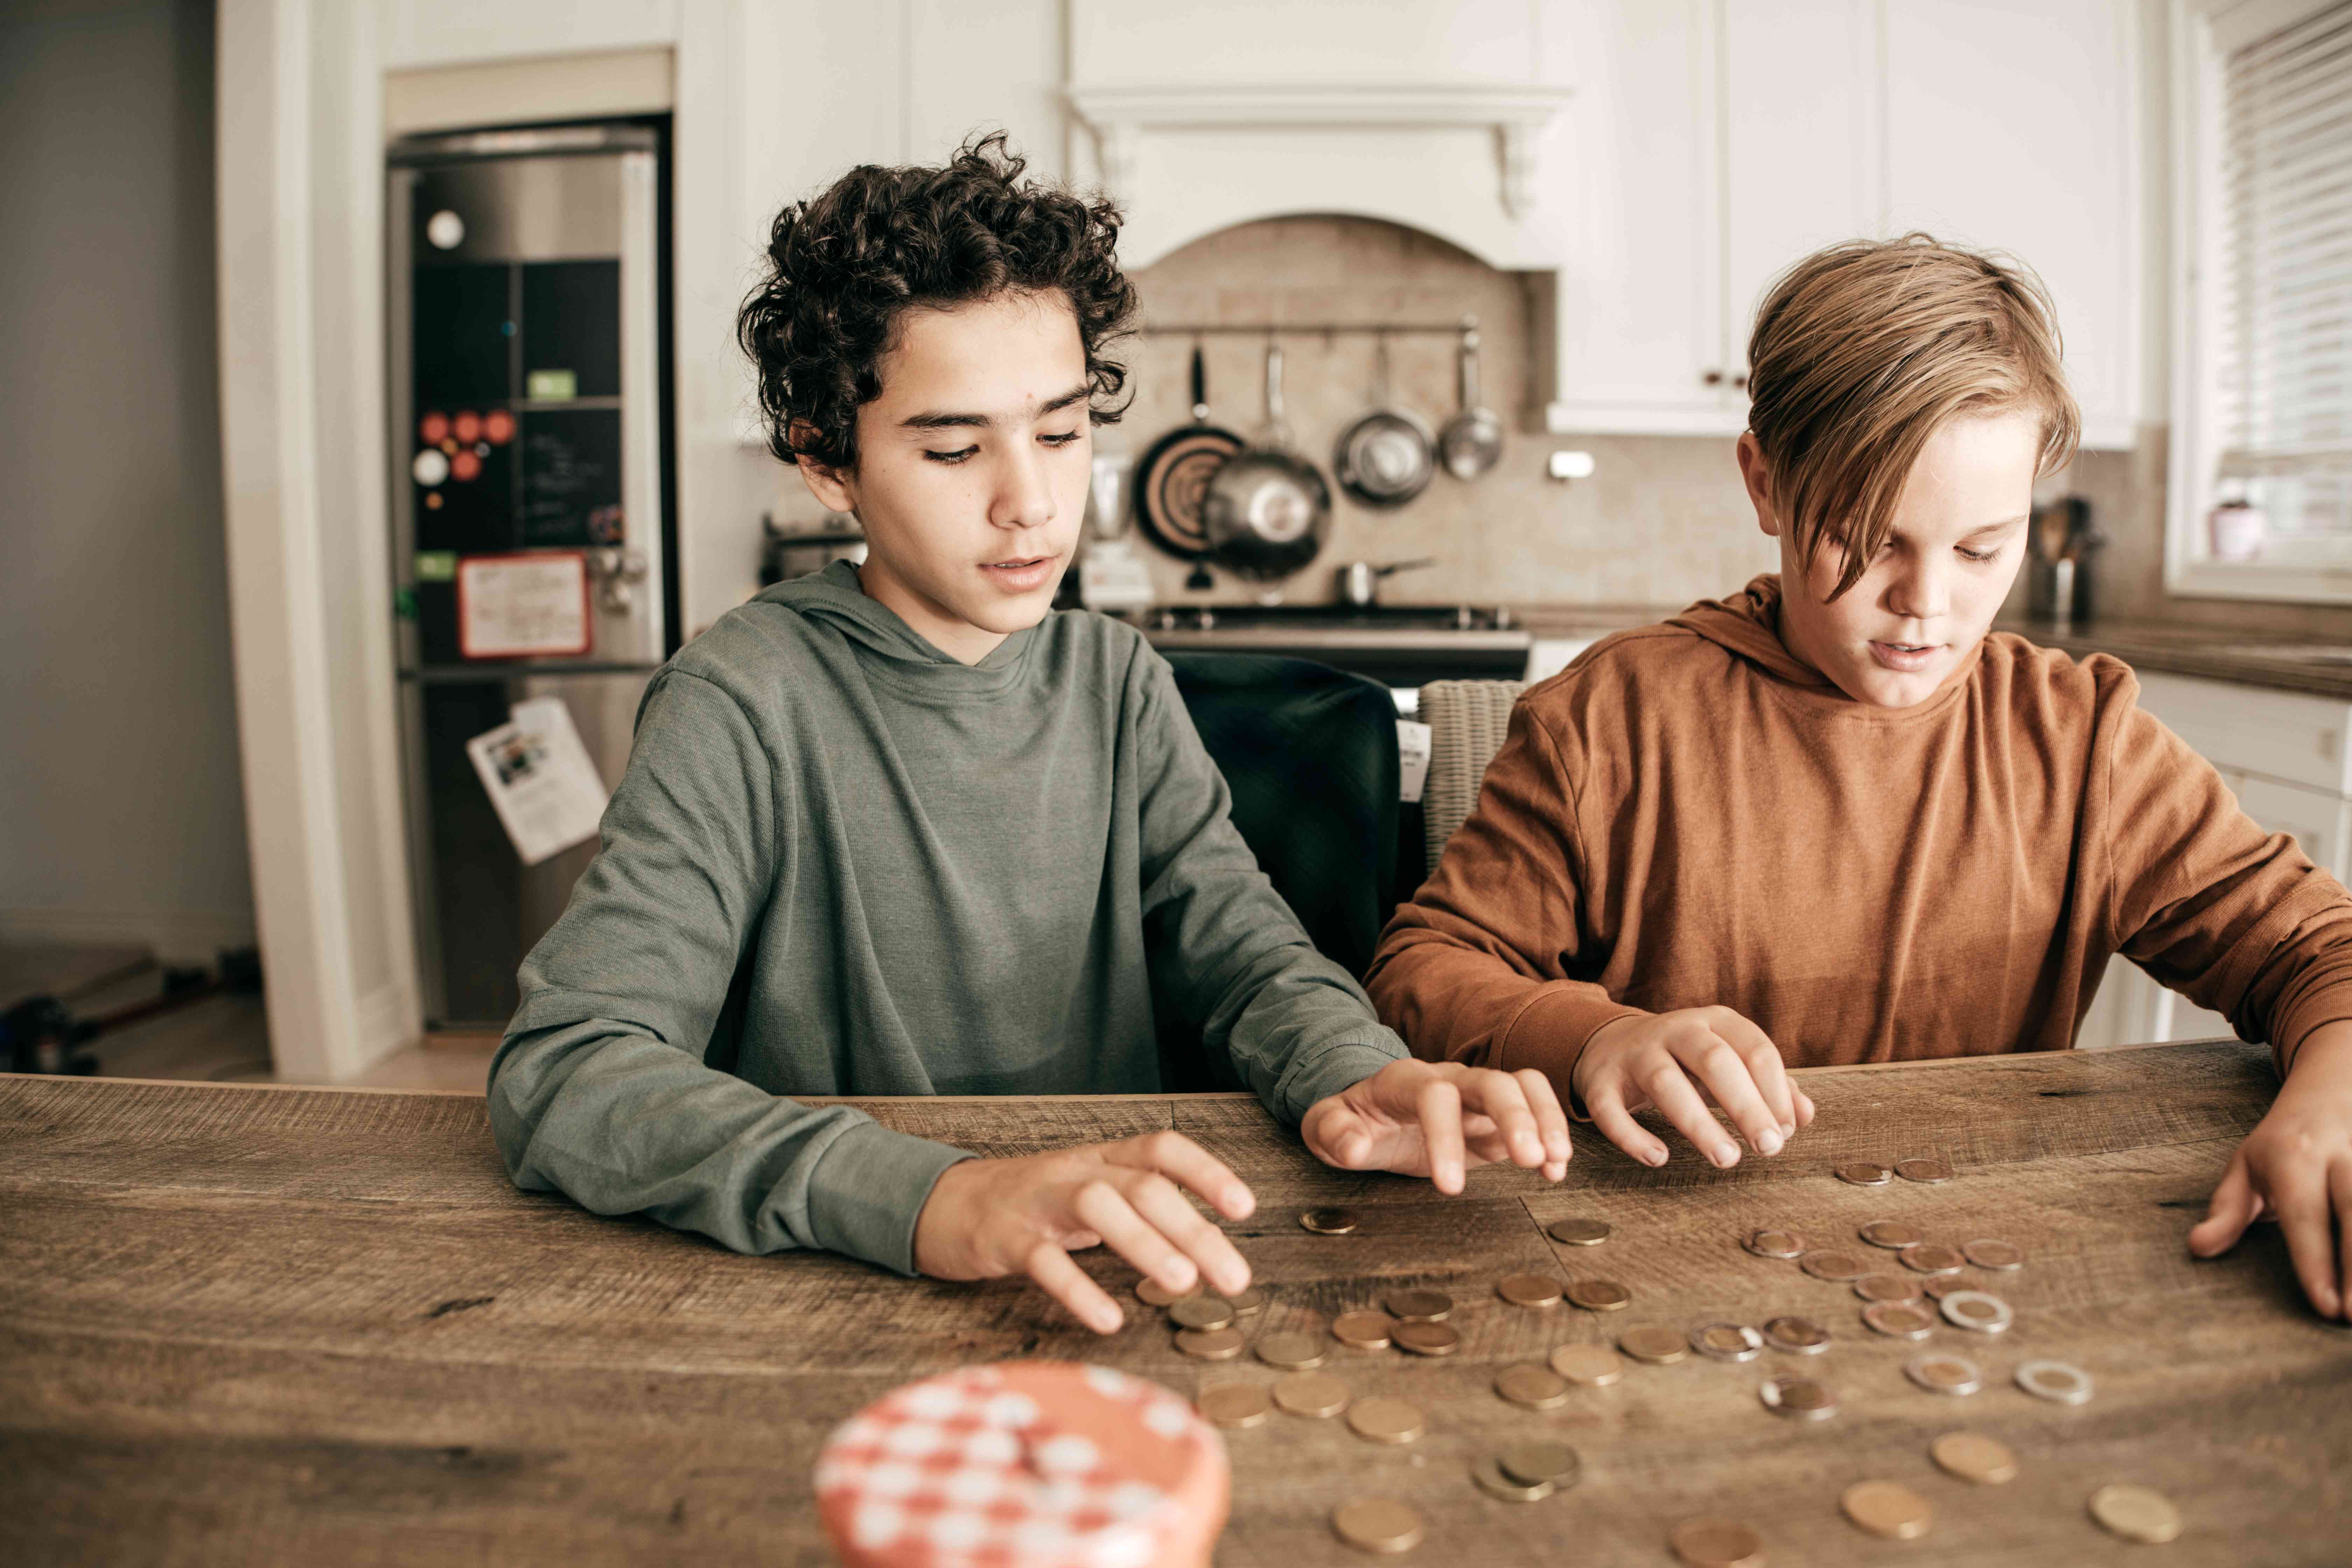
x=844, y=265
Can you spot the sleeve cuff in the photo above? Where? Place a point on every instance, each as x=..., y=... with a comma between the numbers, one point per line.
x=869, y=1188
x=1550, y=1028
x=1338, y=1066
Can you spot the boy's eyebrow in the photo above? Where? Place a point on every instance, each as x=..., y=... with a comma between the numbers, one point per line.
x=1996, y=527
x=943, y=421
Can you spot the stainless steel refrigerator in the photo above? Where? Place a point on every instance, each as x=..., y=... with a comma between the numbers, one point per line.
x=531, y=447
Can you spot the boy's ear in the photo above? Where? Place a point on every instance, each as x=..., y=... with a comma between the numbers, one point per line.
x=828, y=484
x=1756, y=475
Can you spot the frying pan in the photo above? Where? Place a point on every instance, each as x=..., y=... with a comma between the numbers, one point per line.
x=1268, y=508
x=1387, y=457
x=1173, y=478
x=1472, y=441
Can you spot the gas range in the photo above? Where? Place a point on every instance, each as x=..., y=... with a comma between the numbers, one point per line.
x=1401, y=645
x=1348, y=617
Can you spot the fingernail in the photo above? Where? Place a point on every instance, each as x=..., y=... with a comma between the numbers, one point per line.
x=1657, y=1156
x=1725, y=1153
x=1771, y=1142
x=1787, y=1130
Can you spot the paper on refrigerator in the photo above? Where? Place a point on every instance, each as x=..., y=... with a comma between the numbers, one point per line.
x=541, y=782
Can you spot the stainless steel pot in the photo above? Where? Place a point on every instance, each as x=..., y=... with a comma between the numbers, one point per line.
x=1387, y=457
x=1472, y=441
x=1268, y=509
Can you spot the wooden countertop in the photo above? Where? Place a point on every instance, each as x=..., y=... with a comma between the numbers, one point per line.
x=2247, y=657
x=248, y=1324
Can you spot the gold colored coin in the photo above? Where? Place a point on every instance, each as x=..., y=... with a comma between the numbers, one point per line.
x=1209, y=1344
x=1580, y=1232
x=1659, y=1347
x=1152, y=1293
x=1495, y=1482
x=1419, y=1306
x=1863, y=1173
x=1835, y=1266
x=1318, y=1396
x=1291, y=1352
x=1727, y=1341
x=1365, y=1330
x=1997, y=1255
x=1800, y=1398
x=1887, y=1509
x=1899, y=1320
x=1377, y=1525
x=1535, y=1387
x=1539, y=1461
x=1926, y=1168
x=1385, y=1420
x=1886, y=1287
x=1943, y=1285
x=1599, y=1295
x=1234, y=1404
x=1973, y=1457
x=1328, y=1222
x=1528, y=1290
x=1427, y=1339
x=1594, y=1366
x=2136, y=1513
x=1933, y=1258
x=1770, y=1242
x=1892, y=1234
x=1201, y=1312
x=1800, y=1335
x=1249, y=1302
x=1718, y=1543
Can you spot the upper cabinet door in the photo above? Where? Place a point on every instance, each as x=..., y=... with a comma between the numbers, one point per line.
x=2012, y=124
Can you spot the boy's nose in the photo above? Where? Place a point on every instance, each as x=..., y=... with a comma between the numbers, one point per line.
x=1921, y=593
x=1024, y=499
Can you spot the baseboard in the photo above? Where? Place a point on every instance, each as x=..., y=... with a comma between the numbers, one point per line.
x=177, y=936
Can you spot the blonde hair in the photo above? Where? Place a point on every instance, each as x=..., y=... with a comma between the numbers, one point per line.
x=1863, y=350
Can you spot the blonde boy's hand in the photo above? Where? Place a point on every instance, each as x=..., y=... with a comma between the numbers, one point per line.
x=2296, y=1167
x=988, y=1218
x=1435, y=1119
x=1651, y=1058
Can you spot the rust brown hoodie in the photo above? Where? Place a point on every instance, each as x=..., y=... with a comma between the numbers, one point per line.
x=1689, y=815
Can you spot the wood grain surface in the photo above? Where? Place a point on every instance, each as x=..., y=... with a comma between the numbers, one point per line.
x=241, y=1324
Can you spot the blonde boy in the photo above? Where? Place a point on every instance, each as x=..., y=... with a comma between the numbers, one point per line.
x=1835, y=819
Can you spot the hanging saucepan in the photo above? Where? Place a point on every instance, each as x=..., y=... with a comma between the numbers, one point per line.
x=1387, y=457
x=1172, y=480
x=1268, y=508
x=1472, y=441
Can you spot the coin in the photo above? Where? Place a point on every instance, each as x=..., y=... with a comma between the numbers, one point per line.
x=1377, y=1524
x=1497, y=1482
x=1528, y=1290
x=1580, y=1232
x=2136, y=1513
x=1925, y=1168
x=1799, y=1398
x=2000, y=1255
x=1727, y=1341
x=1899, y=1320
x=1538, y=1461
x=1209, y=1344
x=1594, y=1366
x=1152, y=1293
x=1718, y=1543
x=1802, y=1336
x=1932, y=1257
x=1941, y=1374
x=1290, y=1350
x=1419, y=1306
x=1839, y=1267
x=1943, y=1285
x=1249, y=1302
x=1315, y=1394
x=1886, y=1287
x=1599, y=1295
x=1234, y=1404
x=1973, y=1457
x=1975, y=1310
x=2054, y=1381
x=1201, y=1312
x=1328, y=1222
x=1385, y=1420
x=1892, y=1233
x=1772, y=1242
x=1659, y=1347
x=1863, y=1173
x=1427, y=1339
x=1365, y=1330
x=1887, y=1509
x=1535, y=1387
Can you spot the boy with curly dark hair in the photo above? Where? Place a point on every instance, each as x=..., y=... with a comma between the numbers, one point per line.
x=899, y=828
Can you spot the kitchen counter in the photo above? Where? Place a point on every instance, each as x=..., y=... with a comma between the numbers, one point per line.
x=2248, y=656
x=253, y=1323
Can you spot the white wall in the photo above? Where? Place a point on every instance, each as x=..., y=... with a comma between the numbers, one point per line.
x=121, y=812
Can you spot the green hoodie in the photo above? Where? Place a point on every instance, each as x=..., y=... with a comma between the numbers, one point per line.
x=842, y=863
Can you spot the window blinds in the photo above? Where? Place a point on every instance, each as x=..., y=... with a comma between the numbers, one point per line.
x=2285, y=365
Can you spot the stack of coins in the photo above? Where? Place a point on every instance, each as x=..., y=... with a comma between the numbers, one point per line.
x=1529, y=1472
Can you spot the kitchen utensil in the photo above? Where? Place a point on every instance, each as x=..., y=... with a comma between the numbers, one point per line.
x=1172, y=480
x=1359, y=581
x=1472, y=441
x=1268, y=508
x=1387, y=456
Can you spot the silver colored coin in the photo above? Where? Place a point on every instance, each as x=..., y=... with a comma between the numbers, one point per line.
x=1977, y=1311
x=1939, y=1372
x=1799, y=1336
x=2056, y=1381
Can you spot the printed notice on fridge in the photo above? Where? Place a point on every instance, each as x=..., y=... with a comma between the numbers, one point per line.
x=520, y=607
x=540, y=779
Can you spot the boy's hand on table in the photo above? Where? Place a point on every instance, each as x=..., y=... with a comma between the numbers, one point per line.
x=1435, y=1119
x=1650, y=1059
x=988, y=1218
x=2296, y=1167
